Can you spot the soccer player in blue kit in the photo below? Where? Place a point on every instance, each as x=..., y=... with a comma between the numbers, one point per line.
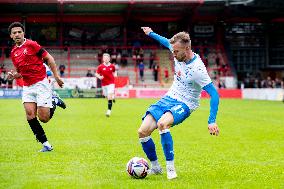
x=190, y=78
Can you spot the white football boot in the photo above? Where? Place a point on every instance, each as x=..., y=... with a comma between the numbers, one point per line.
x=155, y=170
x=108, y=113
x=171, y=172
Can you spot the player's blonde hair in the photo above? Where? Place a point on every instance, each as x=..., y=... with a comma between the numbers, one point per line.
x=182, y=37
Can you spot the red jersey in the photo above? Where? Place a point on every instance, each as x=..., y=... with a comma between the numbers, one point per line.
x=27, y=59
x=107, y=72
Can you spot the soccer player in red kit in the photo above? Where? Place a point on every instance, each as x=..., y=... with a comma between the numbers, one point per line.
x=106, y=73
x=28, y=57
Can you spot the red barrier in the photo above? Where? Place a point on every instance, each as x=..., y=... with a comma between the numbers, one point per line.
x=158, y=93
x=121, y=81
x=225, y=93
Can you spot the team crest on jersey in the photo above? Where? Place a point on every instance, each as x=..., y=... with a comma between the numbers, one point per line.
x=25, y=51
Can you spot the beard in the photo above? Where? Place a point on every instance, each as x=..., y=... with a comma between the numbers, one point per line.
x=181, y=58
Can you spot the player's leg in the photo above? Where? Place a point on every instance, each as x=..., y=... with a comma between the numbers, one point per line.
x=46, y=104
x=113, y=96
x=177, y=114
x=31, y=114
x=29, y=99
x=147, y=127
x=58, y=101
x=109, y=94
x=56, y=98
x=164, y=125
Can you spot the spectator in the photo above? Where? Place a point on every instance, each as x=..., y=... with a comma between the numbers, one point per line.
x=141, y=70
x=278, y=83
x=155, y=71
x=3, y=79
x=166, y=72
x=89, y=74
x=256, y=83
x=62, y=70
x=66, y=45
x=223, y=69
x=152, y=58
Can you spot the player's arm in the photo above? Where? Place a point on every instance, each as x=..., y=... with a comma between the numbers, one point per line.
x=162, y=40
x=98, y=75
x=14, y=75
x=51, y=63
x=214, y=104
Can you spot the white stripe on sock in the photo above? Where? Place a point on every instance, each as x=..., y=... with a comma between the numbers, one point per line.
x=164, y=131
x=145, y=139
x=170, y=163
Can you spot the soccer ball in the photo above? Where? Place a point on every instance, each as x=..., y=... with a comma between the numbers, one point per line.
x=137, y=167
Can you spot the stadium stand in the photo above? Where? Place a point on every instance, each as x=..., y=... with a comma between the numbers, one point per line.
x=239, y=39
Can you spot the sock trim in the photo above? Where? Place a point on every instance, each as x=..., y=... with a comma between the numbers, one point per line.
x=145, y=139
x=164, y=131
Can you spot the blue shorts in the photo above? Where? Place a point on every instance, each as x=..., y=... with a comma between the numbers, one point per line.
x=179, y=110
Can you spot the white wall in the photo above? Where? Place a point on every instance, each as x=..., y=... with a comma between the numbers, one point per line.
x=263, y=94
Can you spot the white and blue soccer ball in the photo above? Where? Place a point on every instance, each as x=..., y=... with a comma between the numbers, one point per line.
x=137, y=167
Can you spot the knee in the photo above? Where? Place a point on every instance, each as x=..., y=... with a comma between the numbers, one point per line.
x=44, y=119
x=162, y=126
x=30, y=115
x=142, y=133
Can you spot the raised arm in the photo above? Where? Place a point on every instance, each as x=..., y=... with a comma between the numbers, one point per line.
x=162, y=40
x=214, y=103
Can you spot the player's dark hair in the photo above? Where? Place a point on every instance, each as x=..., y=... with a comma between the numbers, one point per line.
x=15, y=24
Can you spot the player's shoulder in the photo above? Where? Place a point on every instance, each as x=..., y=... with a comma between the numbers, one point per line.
x=100, y=65
x=31, y=42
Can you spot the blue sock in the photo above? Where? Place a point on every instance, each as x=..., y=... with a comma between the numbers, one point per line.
x=149, y=148
x=167, y=143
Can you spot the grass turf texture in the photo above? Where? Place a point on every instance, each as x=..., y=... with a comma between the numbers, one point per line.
x=91, y=150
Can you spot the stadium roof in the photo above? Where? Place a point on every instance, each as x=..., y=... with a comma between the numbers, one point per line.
x=147, y=8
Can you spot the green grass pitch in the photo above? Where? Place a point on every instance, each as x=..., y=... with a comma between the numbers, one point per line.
x=91, y=150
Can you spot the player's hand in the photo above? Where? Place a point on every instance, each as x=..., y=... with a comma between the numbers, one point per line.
x=101, y=77
x=13, y=75
x=147, y=30
x=10, y=75
x=59, y=81
x=213, y=129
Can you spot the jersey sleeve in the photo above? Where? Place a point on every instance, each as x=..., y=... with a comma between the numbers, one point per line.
x=99, y=70
x=162, y=40
x=214, y=102
x=39, y=51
